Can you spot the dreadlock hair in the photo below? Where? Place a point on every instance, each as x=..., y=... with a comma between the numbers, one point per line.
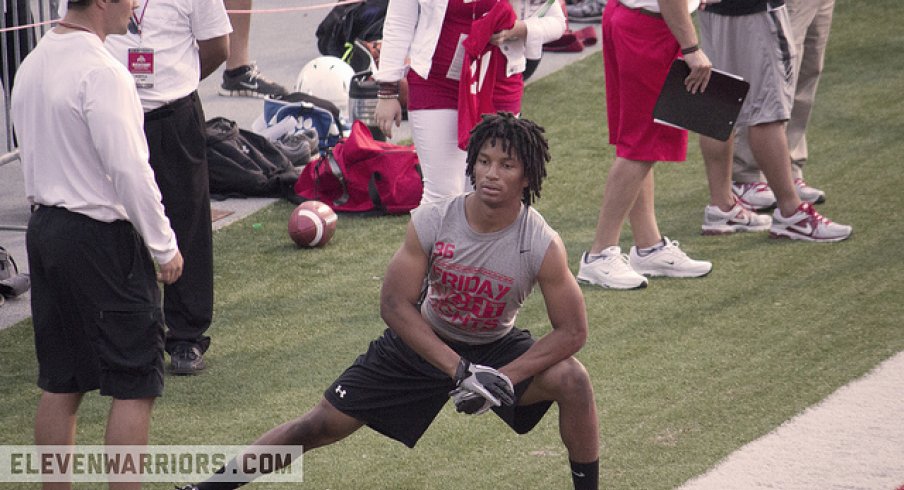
x=520, y=137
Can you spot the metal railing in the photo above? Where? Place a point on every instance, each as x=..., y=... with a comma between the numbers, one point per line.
x=22, y=24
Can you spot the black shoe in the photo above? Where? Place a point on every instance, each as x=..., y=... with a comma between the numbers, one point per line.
x=251, y=84
x=186, y=359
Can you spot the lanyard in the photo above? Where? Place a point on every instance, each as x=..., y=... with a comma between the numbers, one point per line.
x=135, y=22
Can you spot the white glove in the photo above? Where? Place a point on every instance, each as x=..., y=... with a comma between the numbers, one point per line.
x=466, y=401
x=482, y=381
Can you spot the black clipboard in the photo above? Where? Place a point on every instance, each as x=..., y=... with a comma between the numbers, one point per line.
x=711, y=113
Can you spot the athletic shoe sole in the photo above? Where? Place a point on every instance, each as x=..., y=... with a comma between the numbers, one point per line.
x=819, y=200
x=716, y=230
x=779, y=235
x=242, y=93
x=675, y=274
x=185, y=371
x=591, y=283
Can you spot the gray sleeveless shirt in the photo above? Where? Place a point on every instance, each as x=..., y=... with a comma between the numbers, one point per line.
x=477, y=282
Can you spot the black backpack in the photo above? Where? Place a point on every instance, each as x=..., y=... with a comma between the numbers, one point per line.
x=244, y=163
x=346, y=23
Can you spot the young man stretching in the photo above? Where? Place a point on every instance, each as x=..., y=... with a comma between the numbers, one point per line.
x=481, y=253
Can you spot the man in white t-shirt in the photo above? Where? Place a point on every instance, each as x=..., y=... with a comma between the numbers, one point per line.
x=96, y=231
x=170, y=46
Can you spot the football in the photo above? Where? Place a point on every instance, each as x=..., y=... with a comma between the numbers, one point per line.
x=312, y=224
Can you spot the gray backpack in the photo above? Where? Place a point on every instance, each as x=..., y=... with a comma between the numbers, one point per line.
x=12, y=283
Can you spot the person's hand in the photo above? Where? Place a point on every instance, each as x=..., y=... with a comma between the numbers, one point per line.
x=170, y=271
x=518, y=31
x=388, y=111
x=485, y=382
x=701, y=68
x=466, y=401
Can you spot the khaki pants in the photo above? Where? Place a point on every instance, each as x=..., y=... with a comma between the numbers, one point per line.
x=811, y=21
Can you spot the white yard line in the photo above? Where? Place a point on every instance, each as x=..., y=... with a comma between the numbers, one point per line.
x=852, y=440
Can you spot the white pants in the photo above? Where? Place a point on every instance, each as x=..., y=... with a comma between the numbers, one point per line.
x=435, y=135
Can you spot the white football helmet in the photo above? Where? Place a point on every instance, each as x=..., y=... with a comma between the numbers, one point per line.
x=327, y=77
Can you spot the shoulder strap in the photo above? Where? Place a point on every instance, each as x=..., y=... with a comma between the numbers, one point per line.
x=336, y=170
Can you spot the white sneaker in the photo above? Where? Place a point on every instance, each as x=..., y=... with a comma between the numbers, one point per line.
x=610, y=269
x=755, y=195
x=738, y=218
x=807, y=224
x=809, y=194
x=669, y=261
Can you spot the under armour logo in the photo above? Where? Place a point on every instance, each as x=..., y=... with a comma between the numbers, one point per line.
x=245, y=149
x=340, y=391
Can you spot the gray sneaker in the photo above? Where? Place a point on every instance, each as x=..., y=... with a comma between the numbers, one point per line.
x=754, y=195
x=738, y=218
x=586, y=11
x=251, y=84
x=299, y=147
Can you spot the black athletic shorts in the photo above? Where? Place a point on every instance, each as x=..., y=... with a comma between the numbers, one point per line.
x=95, y=306
x=396, y=392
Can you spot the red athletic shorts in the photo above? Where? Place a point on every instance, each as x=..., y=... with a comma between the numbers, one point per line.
x=637, y=51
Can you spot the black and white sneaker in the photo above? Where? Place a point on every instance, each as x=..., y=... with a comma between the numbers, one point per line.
x=250, y=83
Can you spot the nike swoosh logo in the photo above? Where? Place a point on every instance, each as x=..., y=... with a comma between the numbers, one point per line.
x=805, y=229
x=670, y=262
x=252, y=86
x=523, y=251
x=578, y=474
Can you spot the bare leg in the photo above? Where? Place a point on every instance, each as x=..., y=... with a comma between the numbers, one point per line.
x=568, y=384
x=770, y=148
x=55, y=424
x=322, y=425
x=128, y=424
x=241, y=29
x=623, y=185
x=643, y=215
x=717, y=156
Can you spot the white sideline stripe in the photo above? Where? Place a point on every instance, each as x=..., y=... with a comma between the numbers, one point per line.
x=854, y=439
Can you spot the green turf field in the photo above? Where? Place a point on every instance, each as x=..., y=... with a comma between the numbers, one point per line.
x=685, y=371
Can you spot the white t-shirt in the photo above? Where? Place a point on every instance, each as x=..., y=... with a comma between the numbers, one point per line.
x=81, y=142
x=171, y=28
x=653, y=5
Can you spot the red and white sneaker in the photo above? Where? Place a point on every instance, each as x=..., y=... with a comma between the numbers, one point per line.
x=738, y=218
x=809, y=193
x=755, y=195
x=807, y=224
